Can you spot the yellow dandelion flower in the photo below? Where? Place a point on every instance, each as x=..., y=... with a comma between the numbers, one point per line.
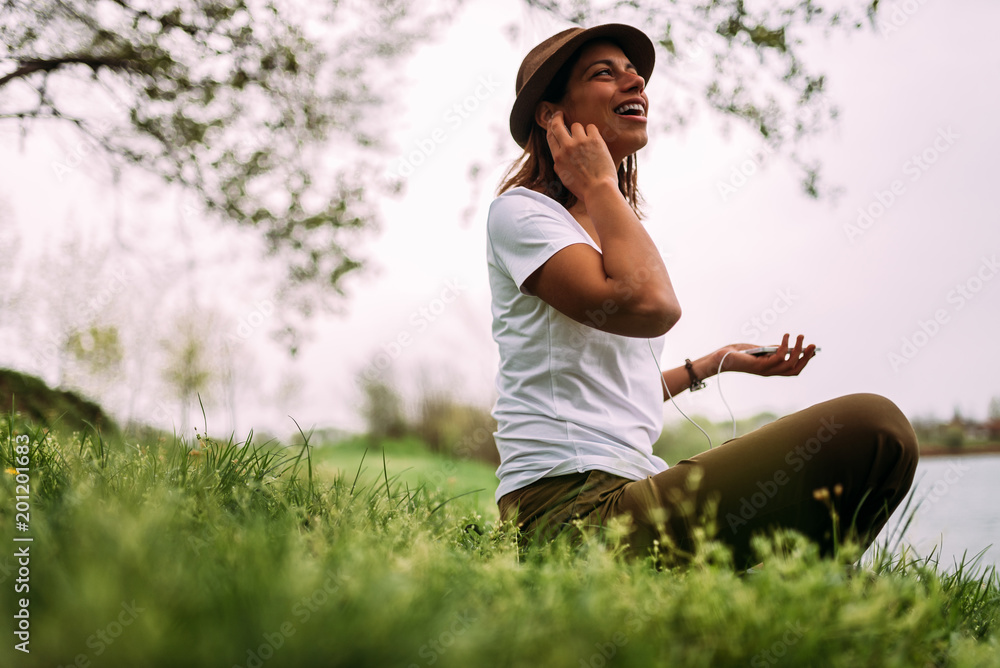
x=11, y=471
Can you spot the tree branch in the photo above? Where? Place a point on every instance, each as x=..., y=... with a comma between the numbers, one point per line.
x=29, y=66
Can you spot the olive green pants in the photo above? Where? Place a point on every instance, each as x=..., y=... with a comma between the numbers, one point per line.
x=853, y=457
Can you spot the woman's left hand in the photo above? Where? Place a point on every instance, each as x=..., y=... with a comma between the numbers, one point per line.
x=786, y=361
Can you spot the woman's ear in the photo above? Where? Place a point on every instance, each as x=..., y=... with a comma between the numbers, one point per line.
x=543, y=112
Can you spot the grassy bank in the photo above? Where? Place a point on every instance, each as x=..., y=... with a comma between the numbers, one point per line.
x=238, y=554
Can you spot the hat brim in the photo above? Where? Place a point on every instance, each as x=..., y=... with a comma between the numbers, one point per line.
x=636, y=45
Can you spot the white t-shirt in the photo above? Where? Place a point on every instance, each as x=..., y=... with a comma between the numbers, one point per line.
x=572, y=398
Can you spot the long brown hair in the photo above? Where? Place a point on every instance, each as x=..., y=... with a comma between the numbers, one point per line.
x=535, y=168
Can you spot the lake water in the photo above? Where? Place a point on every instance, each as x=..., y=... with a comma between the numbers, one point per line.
x=960, y=509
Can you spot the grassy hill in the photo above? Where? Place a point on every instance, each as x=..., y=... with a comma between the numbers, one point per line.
x=49, y=408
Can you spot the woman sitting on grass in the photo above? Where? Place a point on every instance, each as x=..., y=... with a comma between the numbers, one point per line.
x=581, y=302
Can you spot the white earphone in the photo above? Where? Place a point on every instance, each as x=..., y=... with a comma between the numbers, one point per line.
x=718, y=375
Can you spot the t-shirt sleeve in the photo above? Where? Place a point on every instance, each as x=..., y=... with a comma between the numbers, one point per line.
x=524, y=234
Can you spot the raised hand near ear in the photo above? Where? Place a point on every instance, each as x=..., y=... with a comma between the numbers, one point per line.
x=580, y=154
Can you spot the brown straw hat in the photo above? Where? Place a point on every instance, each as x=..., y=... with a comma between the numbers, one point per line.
x=543, y=61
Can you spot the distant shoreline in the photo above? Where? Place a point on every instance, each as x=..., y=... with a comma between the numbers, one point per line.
x=945, y=451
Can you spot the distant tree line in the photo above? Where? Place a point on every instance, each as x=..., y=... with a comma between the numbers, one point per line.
x=960, y=431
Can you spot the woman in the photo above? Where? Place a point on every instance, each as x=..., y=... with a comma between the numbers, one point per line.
x=581, y=301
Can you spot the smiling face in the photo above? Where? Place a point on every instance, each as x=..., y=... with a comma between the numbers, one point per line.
x=604, y=89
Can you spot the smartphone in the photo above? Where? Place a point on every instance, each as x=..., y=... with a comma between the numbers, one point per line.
x=764, y=350
x=758, y=352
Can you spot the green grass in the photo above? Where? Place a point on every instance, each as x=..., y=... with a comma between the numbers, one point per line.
x=680, y=439
x=252, y=555
x=413, y=466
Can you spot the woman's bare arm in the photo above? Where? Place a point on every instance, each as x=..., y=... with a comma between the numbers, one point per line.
x=786, y=361
x=625, y=288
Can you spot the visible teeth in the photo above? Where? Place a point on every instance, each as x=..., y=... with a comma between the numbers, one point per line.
x=630, y=107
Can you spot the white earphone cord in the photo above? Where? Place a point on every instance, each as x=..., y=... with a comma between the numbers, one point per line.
x=718, y=375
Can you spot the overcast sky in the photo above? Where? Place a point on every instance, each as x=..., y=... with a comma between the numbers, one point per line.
x=903, y=302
